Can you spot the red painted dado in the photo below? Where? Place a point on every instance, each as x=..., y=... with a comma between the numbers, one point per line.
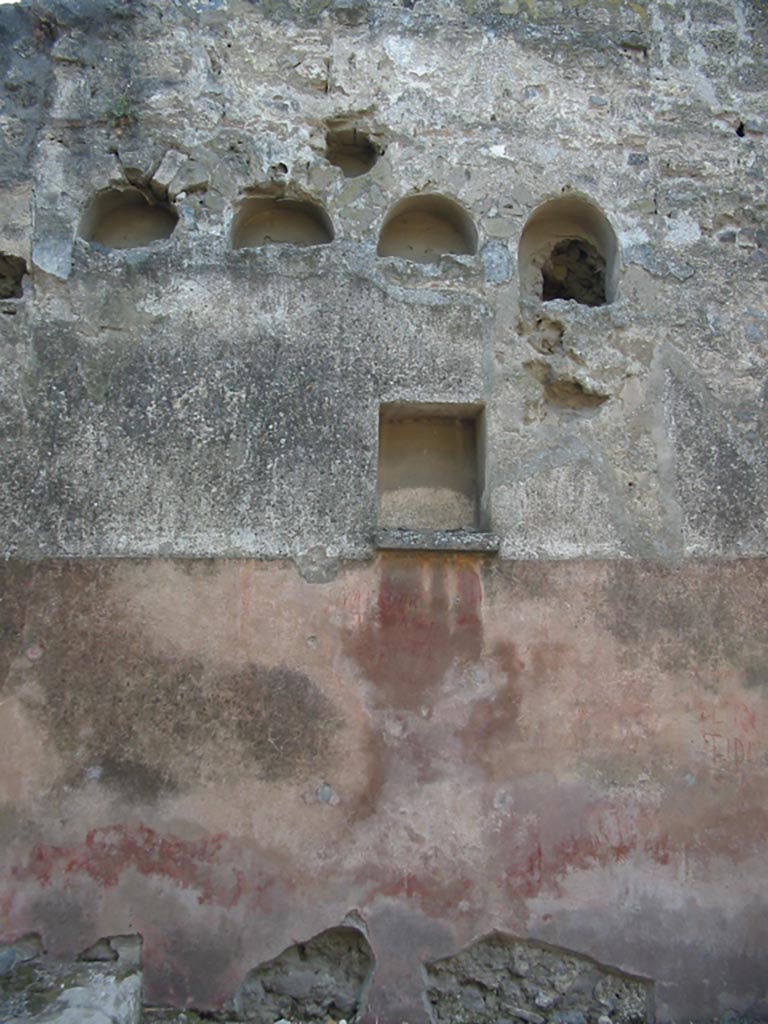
x=228, y=760
x=107, y=853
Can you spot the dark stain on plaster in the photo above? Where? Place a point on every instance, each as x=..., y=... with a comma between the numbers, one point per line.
x=426, y=618
x=146, y=725
x=288, y=721
x=193, y=966
x=14, y=593
x=146, y=722
x=526, y=581
x=27, y=73
x=61, y=916
x=756, y=674
x=134, y=780
x=377, y=759
x=688, y=618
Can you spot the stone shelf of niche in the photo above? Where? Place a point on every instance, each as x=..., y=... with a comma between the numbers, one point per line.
x=437, y=540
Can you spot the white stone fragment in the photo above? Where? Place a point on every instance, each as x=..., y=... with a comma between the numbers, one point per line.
x=106, y=999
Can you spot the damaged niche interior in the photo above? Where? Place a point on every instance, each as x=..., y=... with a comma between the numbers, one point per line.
x=325, y=978
x=127, y=218
x=423, y=228
x=431, y=459
x=350, y=149
x=282, y=220
x=12, y=271
x=568, y=250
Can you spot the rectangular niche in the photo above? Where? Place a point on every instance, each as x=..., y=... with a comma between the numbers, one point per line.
x=431, y=459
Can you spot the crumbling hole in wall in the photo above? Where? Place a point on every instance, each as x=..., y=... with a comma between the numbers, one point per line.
x=351, y=150
x=543, y=333
x=127, y=218
x=565, y=392
x=568, y=250
x=325, y=978
x=12, y=271
x=125, y=948
x=634, y=49
x=574, y=270
x=500, y=977
x=422, y=228
x=430, y=466
x=282, y=220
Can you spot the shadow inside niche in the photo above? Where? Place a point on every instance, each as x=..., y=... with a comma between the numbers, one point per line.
x=280, y=220
x=351, y=150
x=127, y=218
x=325, y=978
x=574, y=269
x=422, y=228
x=12, y=271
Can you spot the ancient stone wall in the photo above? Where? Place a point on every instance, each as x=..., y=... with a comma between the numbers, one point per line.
x=192, y=398
x=287, y=287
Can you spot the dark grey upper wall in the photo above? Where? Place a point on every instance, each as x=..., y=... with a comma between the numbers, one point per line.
x=188, y=399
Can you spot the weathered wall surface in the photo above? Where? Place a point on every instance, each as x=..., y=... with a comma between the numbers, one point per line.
x=227, y=759
x=566, y=742
x=189, y=399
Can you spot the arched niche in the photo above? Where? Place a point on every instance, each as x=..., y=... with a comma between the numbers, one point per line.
x=127, y=218
x=422, y=228
x=266, y=220
x=568, y=250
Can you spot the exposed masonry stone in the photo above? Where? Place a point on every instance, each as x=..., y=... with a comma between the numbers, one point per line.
x=327, y=978
x=324, y=978
x=496, y=979
x=500, y=978
x=36, y=989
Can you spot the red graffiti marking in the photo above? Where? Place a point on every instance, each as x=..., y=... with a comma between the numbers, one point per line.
x=729, y=753
x=730, y=735
x=353, y=604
